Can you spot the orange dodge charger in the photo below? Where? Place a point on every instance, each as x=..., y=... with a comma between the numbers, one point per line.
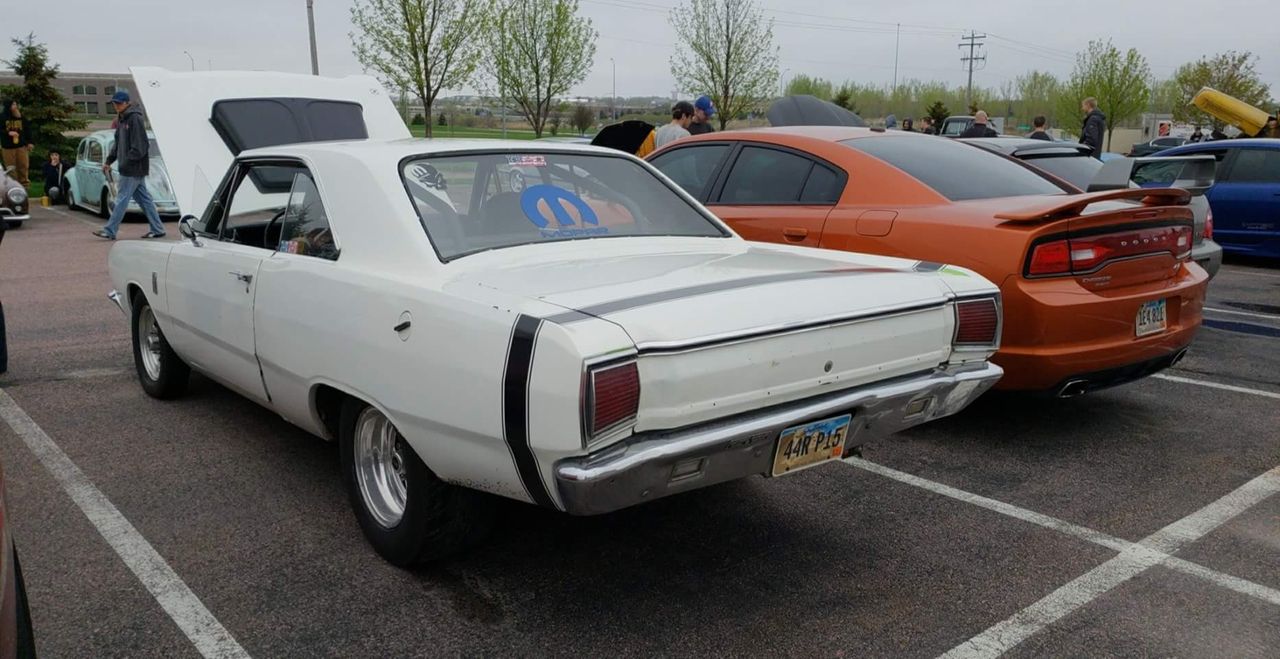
x=1098, y=288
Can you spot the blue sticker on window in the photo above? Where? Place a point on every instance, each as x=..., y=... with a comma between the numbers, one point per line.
x=556, y=198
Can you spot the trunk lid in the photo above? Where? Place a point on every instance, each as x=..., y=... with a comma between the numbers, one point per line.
x=202, y=120
x=721, y=331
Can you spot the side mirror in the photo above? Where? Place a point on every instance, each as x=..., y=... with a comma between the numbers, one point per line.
x=186, y=230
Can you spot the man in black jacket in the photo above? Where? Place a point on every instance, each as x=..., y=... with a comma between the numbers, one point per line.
x=55, y=178
x=979, y=128
x=132, y=151
x=1095, y=126
x=15, y=142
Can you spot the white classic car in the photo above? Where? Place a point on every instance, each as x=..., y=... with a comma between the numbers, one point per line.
x=593, y=341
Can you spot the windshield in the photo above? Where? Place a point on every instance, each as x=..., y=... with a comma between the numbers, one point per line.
x=955, y=170
x=472, y=203
x=1076, y=170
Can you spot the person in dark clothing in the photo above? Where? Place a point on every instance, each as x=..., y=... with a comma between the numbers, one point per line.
x=926, y=126
x=1038, y=131
x=132, y=151
x=1196, y=136
x=703, y=110
x=979, y=127
x=1095, y=126
x=908, y=125
x=15, y=142
x=55, y=178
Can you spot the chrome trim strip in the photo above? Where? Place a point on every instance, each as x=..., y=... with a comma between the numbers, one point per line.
x=769, y=331
x=625, y=304
x=640, y=468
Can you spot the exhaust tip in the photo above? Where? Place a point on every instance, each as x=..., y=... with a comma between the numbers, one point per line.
x=1178, y=357
x=1073, y=388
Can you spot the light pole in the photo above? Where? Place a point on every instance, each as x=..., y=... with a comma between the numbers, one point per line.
x=613, y=100
x=782, y=82
x=311, y=27
x=193, y=60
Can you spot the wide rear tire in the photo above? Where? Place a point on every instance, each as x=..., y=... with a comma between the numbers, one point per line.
x=104, y=205
x=161, y=371
x=407, y=513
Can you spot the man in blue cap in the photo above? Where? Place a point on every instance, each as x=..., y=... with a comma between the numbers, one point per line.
x=703, y=110
x=132, y=151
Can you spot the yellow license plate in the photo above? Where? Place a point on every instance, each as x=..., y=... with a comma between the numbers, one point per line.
x=809, y=444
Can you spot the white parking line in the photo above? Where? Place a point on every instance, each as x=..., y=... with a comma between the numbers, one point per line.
x=1217, y=385
x=1243, y=313
x=1134, y=558
x=75, y=216
x=1250, y=272
x=1151, y=551
x=208, y=635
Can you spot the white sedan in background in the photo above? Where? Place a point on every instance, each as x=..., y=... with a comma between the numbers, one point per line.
x=592, y=341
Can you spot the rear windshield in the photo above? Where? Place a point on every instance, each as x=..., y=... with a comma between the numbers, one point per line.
x=1076, y=170
x=956, y=171
x=472, y=203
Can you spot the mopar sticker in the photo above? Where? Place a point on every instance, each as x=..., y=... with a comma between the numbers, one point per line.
x=557, y=201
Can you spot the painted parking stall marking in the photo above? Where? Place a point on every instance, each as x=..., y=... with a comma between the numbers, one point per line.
x=1217, y=385
x=204, y=631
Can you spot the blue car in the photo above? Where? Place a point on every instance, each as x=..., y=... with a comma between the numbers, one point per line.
x=1245, y=198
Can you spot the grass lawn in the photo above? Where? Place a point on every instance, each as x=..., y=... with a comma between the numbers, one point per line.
x=493, y=133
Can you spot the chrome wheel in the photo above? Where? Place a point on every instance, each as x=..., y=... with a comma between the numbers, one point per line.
x=380, y=454
x=149, y=342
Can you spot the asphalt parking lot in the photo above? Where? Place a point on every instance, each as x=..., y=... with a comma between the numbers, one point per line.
x=1138, y=521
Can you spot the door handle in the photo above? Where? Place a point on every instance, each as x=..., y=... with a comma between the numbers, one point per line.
x=247, y=279
x=795, y=234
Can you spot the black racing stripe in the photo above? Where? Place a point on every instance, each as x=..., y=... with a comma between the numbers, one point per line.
x=928, y=266
x=515, y=407
x=625, y=304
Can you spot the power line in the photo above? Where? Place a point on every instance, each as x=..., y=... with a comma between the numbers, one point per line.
x=972, y=42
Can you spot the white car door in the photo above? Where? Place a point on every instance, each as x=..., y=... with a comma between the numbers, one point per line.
x=213, y=280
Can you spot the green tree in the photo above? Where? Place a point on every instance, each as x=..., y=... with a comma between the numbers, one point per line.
x=725, y=49
x=1121, y=81
x=583, y=118
x=1166, y=95
x=538, y=50
x=803, y=84
x=844, y=98
x=1037, y=95
x=421, y=45
x=50, y=114
x=1232, y=73
x=939, y=113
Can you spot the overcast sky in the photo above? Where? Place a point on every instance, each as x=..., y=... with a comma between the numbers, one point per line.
x=834, y=40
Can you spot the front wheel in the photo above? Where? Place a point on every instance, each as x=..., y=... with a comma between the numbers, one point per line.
x=161, y=371
x=407, y=513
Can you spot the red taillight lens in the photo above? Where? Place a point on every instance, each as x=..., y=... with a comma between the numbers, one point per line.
x=1088, y=253
x=977, y=322
x=615, y=396
x=1208, y=225
x=1051, y=259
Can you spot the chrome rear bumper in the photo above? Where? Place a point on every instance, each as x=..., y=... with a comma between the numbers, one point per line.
x=656, y=464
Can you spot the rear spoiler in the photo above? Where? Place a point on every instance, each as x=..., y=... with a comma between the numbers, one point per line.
x=1052, y=208
x=1193, y=173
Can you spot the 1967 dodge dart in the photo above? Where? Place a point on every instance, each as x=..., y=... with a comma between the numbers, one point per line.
x=591, y=341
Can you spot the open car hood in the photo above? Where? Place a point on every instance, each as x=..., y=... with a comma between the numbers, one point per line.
x=805, y=110
x=202, y=120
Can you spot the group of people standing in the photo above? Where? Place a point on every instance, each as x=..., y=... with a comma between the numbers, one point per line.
x=686, y=119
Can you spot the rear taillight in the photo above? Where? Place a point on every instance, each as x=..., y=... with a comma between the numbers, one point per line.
x=1208, y=225
x=977, y=322
x=613, y=396
x=1086, y=254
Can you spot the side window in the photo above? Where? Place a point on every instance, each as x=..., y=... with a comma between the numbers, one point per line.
x=304, y=229
x=823, y=186
x=95, y=151
x=84, y=150
x=691, y=167
x=770, y=176
x=256, y=202
x=1255, y=166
